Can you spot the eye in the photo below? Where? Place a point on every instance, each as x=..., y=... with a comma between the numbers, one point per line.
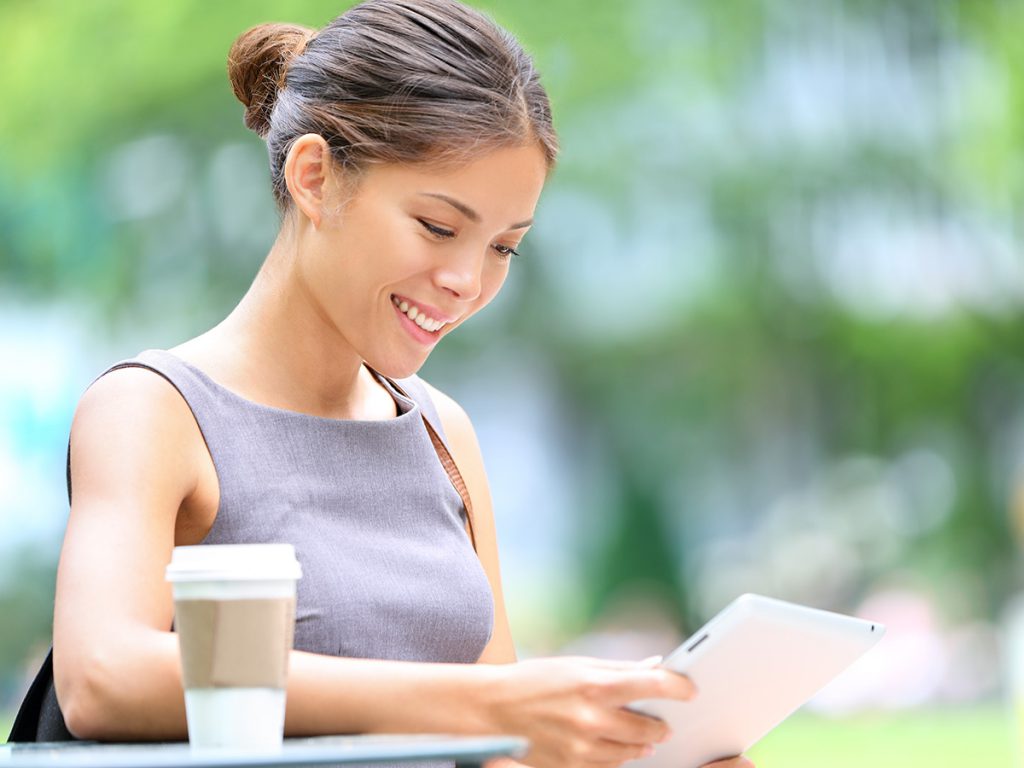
x=438, y=232
x=505, y=251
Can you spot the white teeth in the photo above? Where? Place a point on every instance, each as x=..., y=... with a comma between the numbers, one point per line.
x=416, y=315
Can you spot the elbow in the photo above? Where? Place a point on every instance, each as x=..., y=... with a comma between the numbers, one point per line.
x=121, y=691
x=83, y=690
x=79, y=720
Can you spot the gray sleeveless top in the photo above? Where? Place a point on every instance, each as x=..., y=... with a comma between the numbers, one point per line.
x=388, y=570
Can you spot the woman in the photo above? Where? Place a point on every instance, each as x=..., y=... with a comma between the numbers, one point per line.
x=408, y=144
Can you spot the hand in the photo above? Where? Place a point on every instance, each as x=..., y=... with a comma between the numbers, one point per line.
x=572, y=709
x=733, y=762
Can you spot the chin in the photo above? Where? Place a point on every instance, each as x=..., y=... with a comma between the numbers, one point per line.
x=396, y=369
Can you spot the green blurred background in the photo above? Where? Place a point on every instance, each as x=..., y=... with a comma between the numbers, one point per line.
x=766, y=334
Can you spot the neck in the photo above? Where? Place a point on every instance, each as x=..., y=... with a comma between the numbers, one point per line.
x=276, y=346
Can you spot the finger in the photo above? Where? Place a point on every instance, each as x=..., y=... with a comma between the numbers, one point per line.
x=732, y=762
x=621, y=665
x=618, y=664
x=612, y=763
x=638, y=729
x=615, y=753
x=650, y=684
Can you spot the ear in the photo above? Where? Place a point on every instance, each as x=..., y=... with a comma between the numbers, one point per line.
x=307, y=171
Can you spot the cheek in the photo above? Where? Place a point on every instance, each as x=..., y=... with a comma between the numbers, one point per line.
x=399, y=251
x=493, y=279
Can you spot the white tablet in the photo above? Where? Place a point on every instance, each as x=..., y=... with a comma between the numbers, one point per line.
x=754, y=664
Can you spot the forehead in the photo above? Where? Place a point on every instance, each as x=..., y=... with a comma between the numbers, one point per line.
x=503, y=184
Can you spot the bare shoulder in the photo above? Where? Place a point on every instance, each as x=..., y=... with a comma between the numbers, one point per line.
x=132, y=422
x=456, y=422
x=131, y=399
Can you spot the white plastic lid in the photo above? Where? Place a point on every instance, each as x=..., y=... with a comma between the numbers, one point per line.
x=231, y=562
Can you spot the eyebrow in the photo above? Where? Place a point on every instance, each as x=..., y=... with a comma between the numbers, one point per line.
x=468, y=212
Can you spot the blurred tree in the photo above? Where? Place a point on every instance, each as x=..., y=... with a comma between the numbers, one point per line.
x=782, y=235
x=27, y=581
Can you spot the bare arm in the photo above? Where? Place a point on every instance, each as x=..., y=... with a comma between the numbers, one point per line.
x=112, y=649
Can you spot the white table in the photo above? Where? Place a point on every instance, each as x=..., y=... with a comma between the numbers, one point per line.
x=465, y=752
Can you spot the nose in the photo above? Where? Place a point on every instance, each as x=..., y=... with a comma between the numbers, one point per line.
x=461, y=274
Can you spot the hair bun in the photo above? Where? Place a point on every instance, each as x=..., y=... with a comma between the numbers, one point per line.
x=256, y=65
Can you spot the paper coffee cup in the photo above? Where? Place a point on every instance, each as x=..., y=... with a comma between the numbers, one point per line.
x=234, y=609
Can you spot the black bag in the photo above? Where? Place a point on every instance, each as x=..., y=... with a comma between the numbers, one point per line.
x=40, y=718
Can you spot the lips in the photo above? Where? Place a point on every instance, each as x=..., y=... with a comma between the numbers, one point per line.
x=417, y=331
x=422, y=308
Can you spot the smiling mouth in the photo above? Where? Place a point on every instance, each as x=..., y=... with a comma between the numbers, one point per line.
x=418, y=316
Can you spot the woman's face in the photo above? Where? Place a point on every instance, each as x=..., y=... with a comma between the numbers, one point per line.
x=417, y=251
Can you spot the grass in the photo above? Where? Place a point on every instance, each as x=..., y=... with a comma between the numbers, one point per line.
x=945, y=738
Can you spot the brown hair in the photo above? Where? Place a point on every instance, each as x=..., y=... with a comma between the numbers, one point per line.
x=391, y=81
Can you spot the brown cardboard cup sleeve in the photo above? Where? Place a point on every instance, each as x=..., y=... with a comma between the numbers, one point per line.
x=235, y=643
